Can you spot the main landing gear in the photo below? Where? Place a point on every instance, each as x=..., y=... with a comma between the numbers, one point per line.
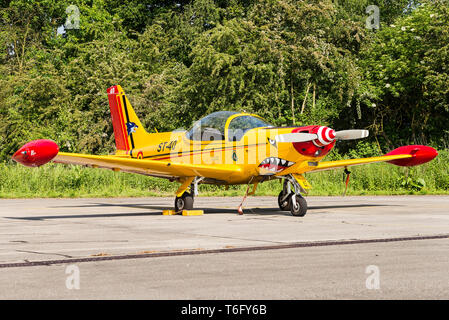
x=292, y=201
x=184, y=202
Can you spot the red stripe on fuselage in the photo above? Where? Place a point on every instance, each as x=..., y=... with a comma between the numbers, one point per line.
x=189, y=153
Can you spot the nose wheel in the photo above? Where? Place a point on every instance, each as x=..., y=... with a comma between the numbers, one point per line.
x=284, y=200
x=289, y=200
x=298, y=205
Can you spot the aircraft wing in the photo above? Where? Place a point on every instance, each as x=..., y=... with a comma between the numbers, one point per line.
x=148, y=167
x=329, y=165
x=406, y=156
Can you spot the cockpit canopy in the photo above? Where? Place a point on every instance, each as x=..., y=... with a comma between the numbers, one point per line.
x=214, y=126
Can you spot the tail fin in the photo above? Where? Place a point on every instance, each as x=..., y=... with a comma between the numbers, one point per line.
x=128, y=130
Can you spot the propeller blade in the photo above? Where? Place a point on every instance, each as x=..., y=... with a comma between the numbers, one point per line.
x=351, y=134
x=296, y=137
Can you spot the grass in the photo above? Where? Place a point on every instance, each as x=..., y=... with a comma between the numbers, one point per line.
x=55, y=181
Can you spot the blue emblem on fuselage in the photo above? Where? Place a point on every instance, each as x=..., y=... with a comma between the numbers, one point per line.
x=131, y=127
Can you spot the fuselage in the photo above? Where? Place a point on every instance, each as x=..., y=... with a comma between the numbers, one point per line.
x=254, y=150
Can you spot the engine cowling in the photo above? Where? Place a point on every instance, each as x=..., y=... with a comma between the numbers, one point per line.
x=318, y=147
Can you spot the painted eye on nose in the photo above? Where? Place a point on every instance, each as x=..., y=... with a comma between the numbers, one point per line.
x=272, y=142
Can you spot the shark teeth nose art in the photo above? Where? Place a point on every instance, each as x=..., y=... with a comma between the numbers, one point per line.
x=275, y=165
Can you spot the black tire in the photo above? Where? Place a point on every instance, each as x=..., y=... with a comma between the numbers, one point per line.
x=300, y=209
x=184, y=202
x=284, y=205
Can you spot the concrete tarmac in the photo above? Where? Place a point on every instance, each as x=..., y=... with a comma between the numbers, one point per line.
x=129, y=231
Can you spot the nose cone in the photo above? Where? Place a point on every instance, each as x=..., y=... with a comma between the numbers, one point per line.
x=36, y=153
x=323, y=142
x=325, y=136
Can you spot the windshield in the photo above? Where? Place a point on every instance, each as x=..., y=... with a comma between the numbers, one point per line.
x=211, y=127
x=240, y=125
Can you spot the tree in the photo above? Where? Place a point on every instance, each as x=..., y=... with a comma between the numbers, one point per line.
x=406, y=69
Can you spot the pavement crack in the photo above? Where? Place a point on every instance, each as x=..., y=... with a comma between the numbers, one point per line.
x=232, y=238
x=47, y=253
x=358, y=224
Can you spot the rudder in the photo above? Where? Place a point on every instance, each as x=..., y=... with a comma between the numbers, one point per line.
x=128, y=130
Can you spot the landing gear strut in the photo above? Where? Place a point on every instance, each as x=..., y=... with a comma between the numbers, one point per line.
x=292, y=201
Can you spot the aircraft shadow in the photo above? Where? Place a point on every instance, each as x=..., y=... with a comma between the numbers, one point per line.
x=252, y=211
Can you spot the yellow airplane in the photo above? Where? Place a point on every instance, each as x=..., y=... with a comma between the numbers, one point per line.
x=223, y=148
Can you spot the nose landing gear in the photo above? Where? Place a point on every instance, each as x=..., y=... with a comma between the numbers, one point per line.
x=284, y=200
x=298, y=205
x=292, y=201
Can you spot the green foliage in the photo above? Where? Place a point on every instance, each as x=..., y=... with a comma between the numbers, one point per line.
x=364, y=149
x=411, y=183
x=406, y=69
x=292, y=62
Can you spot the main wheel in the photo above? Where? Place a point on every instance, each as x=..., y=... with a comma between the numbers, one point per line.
x=284, y=204
x=184, y=202
x=299, y=209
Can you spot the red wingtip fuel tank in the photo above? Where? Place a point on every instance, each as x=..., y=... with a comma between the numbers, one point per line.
x=36, y=153
x=420, y=155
